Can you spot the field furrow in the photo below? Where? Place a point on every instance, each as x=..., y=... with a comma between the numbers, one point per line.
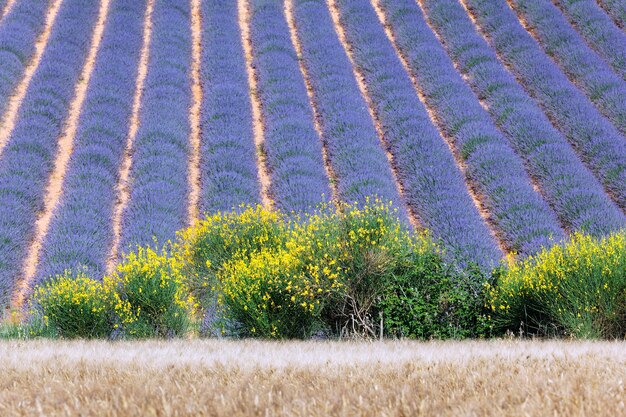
x=5, y=8
x=545, y=23
x=23, y=38
x=596, y=140
x=29, y=158
x=194, y=176
x=159, y=195
x=432, y=181
x=523, y=220
x=354, y=149
x=229, y=172
x=80, y=233
x=617, y=10
x=599, y=31
x=292, y=146
x=570, y=188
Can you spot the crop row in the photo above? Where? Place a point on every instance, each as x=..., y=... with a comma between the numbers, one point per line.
x=433, y=184
x=80, y=232
x=570, y=188
x=599, y=144
x=229, y=172
x=523, y=218
x=292, y=145
x=598, y=29
x=354, y=148
x=159, y=186
x=18, y=32
x=617, y=10
x=579, y=62
x=29, y=157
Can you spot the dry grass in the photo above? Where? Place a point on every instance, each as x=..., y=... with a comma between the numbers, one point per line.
x=213, y=378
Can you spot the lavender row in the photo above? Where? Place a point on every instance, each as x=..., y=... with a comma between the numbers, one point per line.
x=159, y=187
x=229, y=172
x=80, y=232
x=572, y=190
x=353, y=145
x=579, y=62
x=28, y=159
x=599, y=144
x=598, y=29
x=293, y=147
x=433, y=184
x=523, y=218
x=617, y=10
x=18, y=33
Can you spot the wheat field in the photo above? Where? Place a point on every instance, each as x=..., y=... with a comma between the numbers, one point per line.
x=237, y=378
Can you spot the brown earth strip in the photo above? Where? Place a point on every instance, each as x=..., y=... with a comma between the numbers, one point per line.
x=194, y=177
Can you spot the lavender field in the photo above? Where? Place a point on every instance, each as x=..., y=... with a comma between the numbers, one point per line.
x=498, y=125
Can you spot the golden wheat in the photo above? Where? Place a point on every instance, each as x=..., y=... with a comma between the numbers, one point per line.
x=215, y=378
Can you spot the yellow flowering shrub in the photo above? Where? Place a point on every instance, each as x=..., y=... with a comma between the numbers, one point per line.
x=75, y=305
x=577, y=288
x=155, y=290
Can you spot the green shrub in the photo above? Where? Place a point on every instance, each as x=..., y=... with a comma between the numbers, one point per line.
x=575, y=289
x=152, y=286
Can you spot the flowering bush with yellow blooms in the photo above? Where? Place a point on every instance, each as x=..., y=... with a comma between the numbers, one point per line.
x=576, y=289
x=75, y=305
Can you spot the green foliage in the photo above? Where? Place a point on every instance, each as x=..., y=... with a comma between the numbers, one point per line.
x=576, y=289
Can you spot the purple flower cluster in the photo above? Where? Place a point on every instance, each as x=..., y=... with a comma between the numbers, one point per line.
x=598, y=29
x=617, y=10
x=29, y=157
x=229, y=172
x=579, y=62
x=80, y=232
x=432, y=182
x=572, y=190
x=354, y=148
x=599, y=144
x=18, y=31
x=159, y=189
x=292, y=146
x=524, y=219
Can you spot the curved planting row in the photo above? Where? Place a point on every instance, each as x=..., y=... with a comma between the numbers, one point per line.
x=523, y=218
x=18, y=32
x=159, y=186
x=29, y=156
x=80, y=232
x=432, y=182
x=353, y=145
x=579, y=62
x=598, y=29
x=293, y=147
x=229, y=173
x=594, y=138
x=617, y=10
x=572, y=190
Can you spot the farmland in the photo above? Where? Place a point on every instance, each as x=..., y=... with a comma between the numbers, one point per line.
x=499, y=126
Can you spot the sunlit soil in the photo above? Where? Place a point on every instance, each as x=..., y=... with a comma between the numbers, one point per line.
x=215, y=378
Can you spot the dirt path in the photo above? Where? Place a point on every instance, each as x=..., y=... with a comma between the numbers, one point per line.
x=8, y=120
x=123, y=186
x=194, y=176
x=54, y=189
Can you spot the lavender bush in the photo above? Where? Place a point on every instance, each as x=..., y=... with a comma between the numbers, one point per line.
x=433, y=183
x=598, y=29
x=572, y=190
x=229, y=172
x=579, y=62
x=292, y=146
x=353, y=145
x=598, y=143
x=18, y=31
x=29, y=157
x=524, y=219
x=80, y=232
x=159, y=188
x=617, y=10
